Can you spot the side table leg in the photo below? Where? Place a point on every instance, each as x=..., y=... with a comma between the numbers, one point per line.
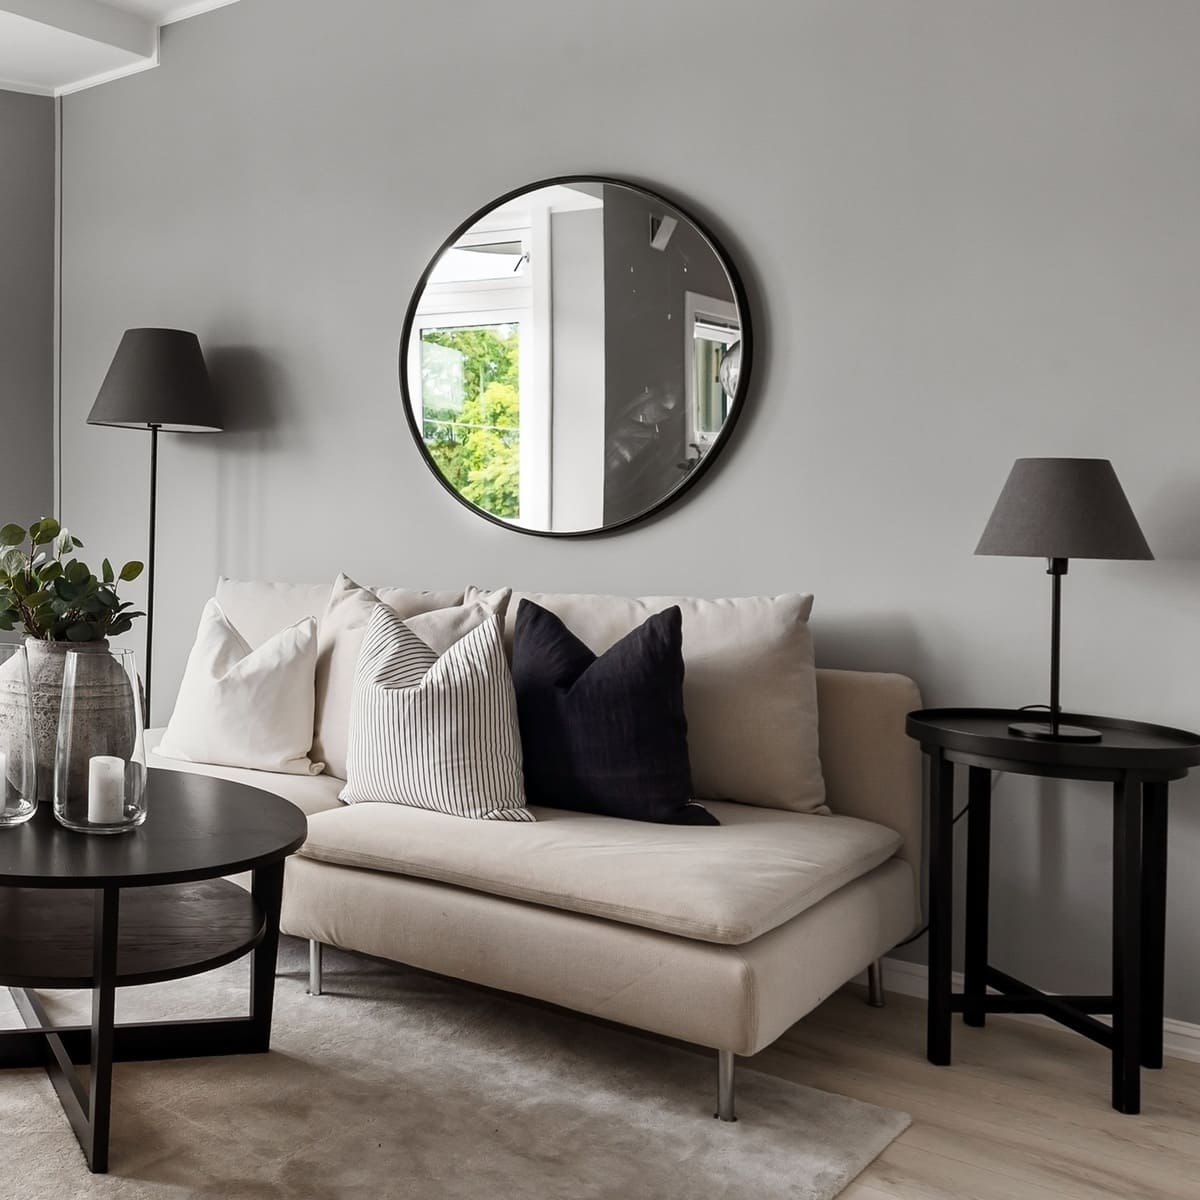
x=1154, y=919
x=941, y=906
x=267, y=889
x=979, y=836
x=1127, y=948
x=104, y=992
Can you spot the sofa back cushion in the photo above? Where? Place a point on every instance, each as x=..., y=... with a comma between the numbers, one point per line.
x=260, y=609
x=749, y=688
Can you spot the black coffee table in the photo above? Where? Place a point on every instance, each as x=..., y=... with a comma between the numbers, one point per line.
x=103, y=912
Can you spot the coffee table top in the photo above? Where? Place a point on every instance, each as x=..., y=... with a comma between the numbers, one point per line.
x=196, y=827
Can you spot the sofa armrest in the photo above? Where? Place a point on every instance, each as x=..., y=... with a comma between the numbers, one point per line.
x=872, y=768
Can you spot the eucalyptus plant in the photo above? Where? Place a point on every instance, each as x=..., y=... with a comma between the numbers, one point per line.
x=51, y=595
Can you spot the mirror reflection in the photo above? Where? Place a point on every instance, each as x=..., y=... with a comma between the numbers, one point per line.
x=573, y=356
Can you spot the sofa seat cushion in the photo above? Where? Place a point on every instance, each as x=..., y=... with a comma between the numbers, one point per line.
x=726, y=884
x=309, y=793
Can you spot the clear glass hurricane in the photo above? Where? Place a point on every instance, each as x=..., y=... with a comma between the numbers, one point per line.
x=18, y=762
x=100, y=758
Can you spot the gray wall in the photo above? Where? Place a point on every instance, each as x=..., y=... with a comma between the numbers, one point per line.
x=970, y=231
x=26, y=307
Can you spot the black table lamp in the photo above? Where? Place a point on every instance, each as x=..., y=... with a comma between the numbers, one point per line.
x=1059, y=509
x=157, y=381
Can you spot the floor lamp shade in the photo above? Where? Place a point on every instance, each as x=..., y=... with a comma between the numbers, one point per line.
x=157, y=379
x=1059, y=509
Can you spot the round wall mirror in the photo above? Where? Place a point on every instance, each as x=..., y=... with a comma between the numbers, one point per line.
x=575, y=356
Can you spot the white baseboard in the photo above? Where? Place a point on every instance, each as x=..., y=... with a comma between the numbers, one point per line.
x=1180, y=1039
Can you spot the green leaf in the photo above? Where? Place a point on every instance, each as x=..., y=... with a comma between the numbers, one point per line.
x=12, y=535
x=6, y=623
x=38, y=599
x=77, y=573
x=109, y=575
x=45, y=531
x=82, y=631
x=51, y=572
x=107, y=596
x=130, y=571
x=66, y=590
x=118, y=627
x=76, y=544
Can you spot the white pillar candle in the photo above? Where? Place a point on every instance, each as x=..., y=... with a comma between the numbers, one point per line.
x=106, y=789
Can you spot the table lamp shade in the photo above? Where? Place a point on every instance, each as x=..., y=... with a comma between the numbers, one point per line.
x=157, y=379
x=1062, y=508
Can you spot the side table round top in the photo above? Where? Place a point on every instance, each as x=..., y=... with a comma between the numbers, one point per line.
x=196, y=827
x=1124, y=745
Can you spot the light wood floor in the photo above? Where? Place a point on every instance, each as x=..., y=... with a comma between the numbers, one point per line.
x=1023, y=1114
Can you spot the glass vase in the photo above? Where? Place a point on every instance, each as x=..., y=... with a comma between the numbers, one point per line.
x=18, y=760
x=100, y=757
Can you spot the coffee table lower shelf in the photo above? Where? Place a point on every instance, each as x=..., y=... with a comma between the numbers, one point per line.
x=110, y=937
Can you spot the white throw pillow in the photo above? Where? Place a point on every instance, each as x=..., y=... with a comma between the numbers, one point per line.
x=340, y=634
x=239, y=707
x=435, y=732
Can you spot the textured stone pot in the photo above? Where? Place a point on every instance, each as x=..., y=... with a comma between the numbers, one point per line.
x=105, y=700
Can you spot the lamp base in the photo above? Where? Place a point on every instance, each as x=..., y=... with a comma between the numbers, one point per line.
x=1044, y=732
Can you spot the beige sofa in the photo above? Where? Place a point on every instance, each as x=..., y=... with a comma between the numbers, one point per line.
x=720, y=937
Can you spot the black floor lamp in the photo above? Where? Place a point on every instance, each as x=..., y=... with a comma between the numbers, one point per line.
x=157, y=381
x=1059, y=509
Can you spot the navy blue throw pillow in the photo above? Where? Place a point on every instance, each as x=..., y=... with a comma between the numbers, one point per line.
x=605, y=734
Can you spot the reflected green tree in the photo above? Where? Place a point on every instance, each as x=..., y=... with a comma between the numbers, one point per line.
x=477, y=446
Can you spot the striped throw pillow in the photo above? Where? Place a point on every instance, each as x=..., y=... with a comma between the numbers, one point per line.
x=435, y=731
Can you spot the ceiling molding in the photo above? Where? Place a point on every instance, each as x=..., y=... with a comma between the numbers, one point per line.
x=181, y=12
x=58, y=47
x=90, y=81
x=97, y=22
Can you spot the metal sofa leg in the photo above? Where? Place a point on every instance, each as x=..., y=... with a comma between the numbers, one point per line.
x=725, y=1105
x=875, y=997
x=314, y=967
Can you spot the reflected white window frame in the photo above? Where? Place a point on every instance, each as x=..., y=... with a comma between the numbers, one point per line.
x=717, y=315
x=523, y=300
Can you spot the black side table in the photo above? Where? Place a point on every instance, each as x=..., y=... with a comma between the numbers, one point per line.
x=1140, y=761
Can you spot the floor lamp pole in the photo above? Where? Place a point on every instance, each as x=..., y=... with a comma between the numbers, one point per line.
x=150, y=563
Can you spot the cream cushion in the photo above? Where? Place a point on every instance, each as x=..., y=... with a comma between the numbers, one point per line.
x=749, y=687
x=340, y=630
x=246, y=707
x=309, y=793
x=726, y=884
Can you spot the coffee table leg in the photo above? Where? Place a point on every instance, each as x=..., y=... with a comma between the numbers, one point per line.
x=1127, y=948
x=267, y=889
x=941, y=907
x=104, y=993
x=1154, y=919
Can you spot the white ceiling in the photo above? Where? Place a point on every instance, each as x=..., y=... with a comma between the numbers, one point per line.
x=52, y=47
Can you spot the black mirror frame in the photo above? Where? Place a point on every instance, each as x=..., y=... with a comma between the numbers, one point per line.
x=745, y=366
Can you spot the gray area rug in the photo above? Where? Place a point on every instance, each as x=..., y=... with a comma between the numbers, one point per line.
x=396, y=1084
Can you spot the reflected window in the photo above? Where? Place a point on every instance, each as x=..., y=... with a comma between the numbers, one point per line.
x=471, y=411
x=712, y=330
